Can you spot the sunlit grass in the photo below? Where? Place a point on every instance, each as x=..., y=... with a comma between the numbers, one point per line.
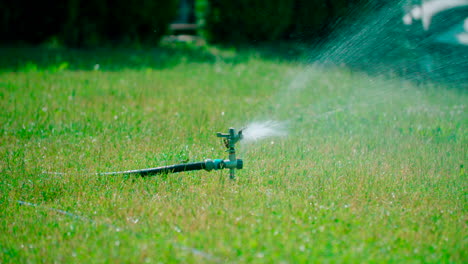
x=369, y=172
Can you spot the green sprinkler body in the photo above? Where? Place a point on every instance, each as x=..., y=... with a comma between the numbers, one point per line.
x=232, y=163
x=230, y=140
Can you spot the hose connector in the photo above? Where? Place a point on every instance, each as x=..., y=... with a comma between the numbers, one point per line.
x=219, y=164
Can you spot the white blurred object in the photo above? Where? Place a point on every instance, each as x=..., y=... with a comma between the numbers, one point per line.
x=417, y=12
x=456, y=33
x=407, y=19
x=463, y=37
x=431, y=8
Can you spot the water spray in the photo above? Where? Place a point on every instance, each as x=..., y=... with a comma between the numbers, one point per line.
x=232, y=163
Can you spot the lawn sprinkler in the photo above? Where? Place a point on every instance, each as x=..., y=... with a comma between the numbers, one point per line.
x=232, y=163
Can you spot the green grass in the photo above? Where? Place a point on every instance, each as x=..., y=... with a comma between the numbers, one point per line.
x=370, y=170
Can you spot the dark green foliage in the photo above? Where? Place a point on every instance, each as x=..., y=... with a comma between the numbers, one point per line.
x=316, y=18
x=262, y=20
x=339, y=8
x=28, y=20
x=86, y=22
x=248, y=20
x=310, y=18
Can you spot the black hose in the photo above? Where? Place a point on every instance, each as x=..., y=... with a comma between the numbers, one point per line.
x=162, y=170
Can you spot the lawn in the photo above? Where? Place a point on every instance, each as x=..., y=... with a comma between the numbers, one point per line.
x=371, y=169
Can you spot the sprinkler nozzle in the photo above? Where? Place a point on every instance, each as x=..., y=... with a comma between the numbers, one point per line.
x=230, y=139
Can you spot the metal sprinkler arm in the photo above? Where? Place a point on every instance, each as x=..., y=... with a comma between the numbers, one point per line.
x=230, y=140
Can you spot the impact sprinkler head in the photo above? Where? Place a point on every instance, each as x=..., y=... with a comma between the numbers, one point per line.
x=230, y=139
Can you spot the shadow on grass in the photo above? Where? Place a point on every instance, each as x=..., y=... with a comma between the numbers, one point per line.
x=441, y=64
x=108, y=59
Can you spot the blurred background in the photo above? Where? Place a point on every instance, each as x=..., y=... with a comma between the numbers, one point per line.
x=411, y=36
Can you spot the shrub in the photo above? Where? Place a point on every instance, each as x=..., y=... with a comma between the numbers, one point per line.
x=30, y=21
x=310, y=18
x=248, y=20
x=86, y=22
x=260, y=20
x=145, y=20
x=139, y=21
x=314, y=18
